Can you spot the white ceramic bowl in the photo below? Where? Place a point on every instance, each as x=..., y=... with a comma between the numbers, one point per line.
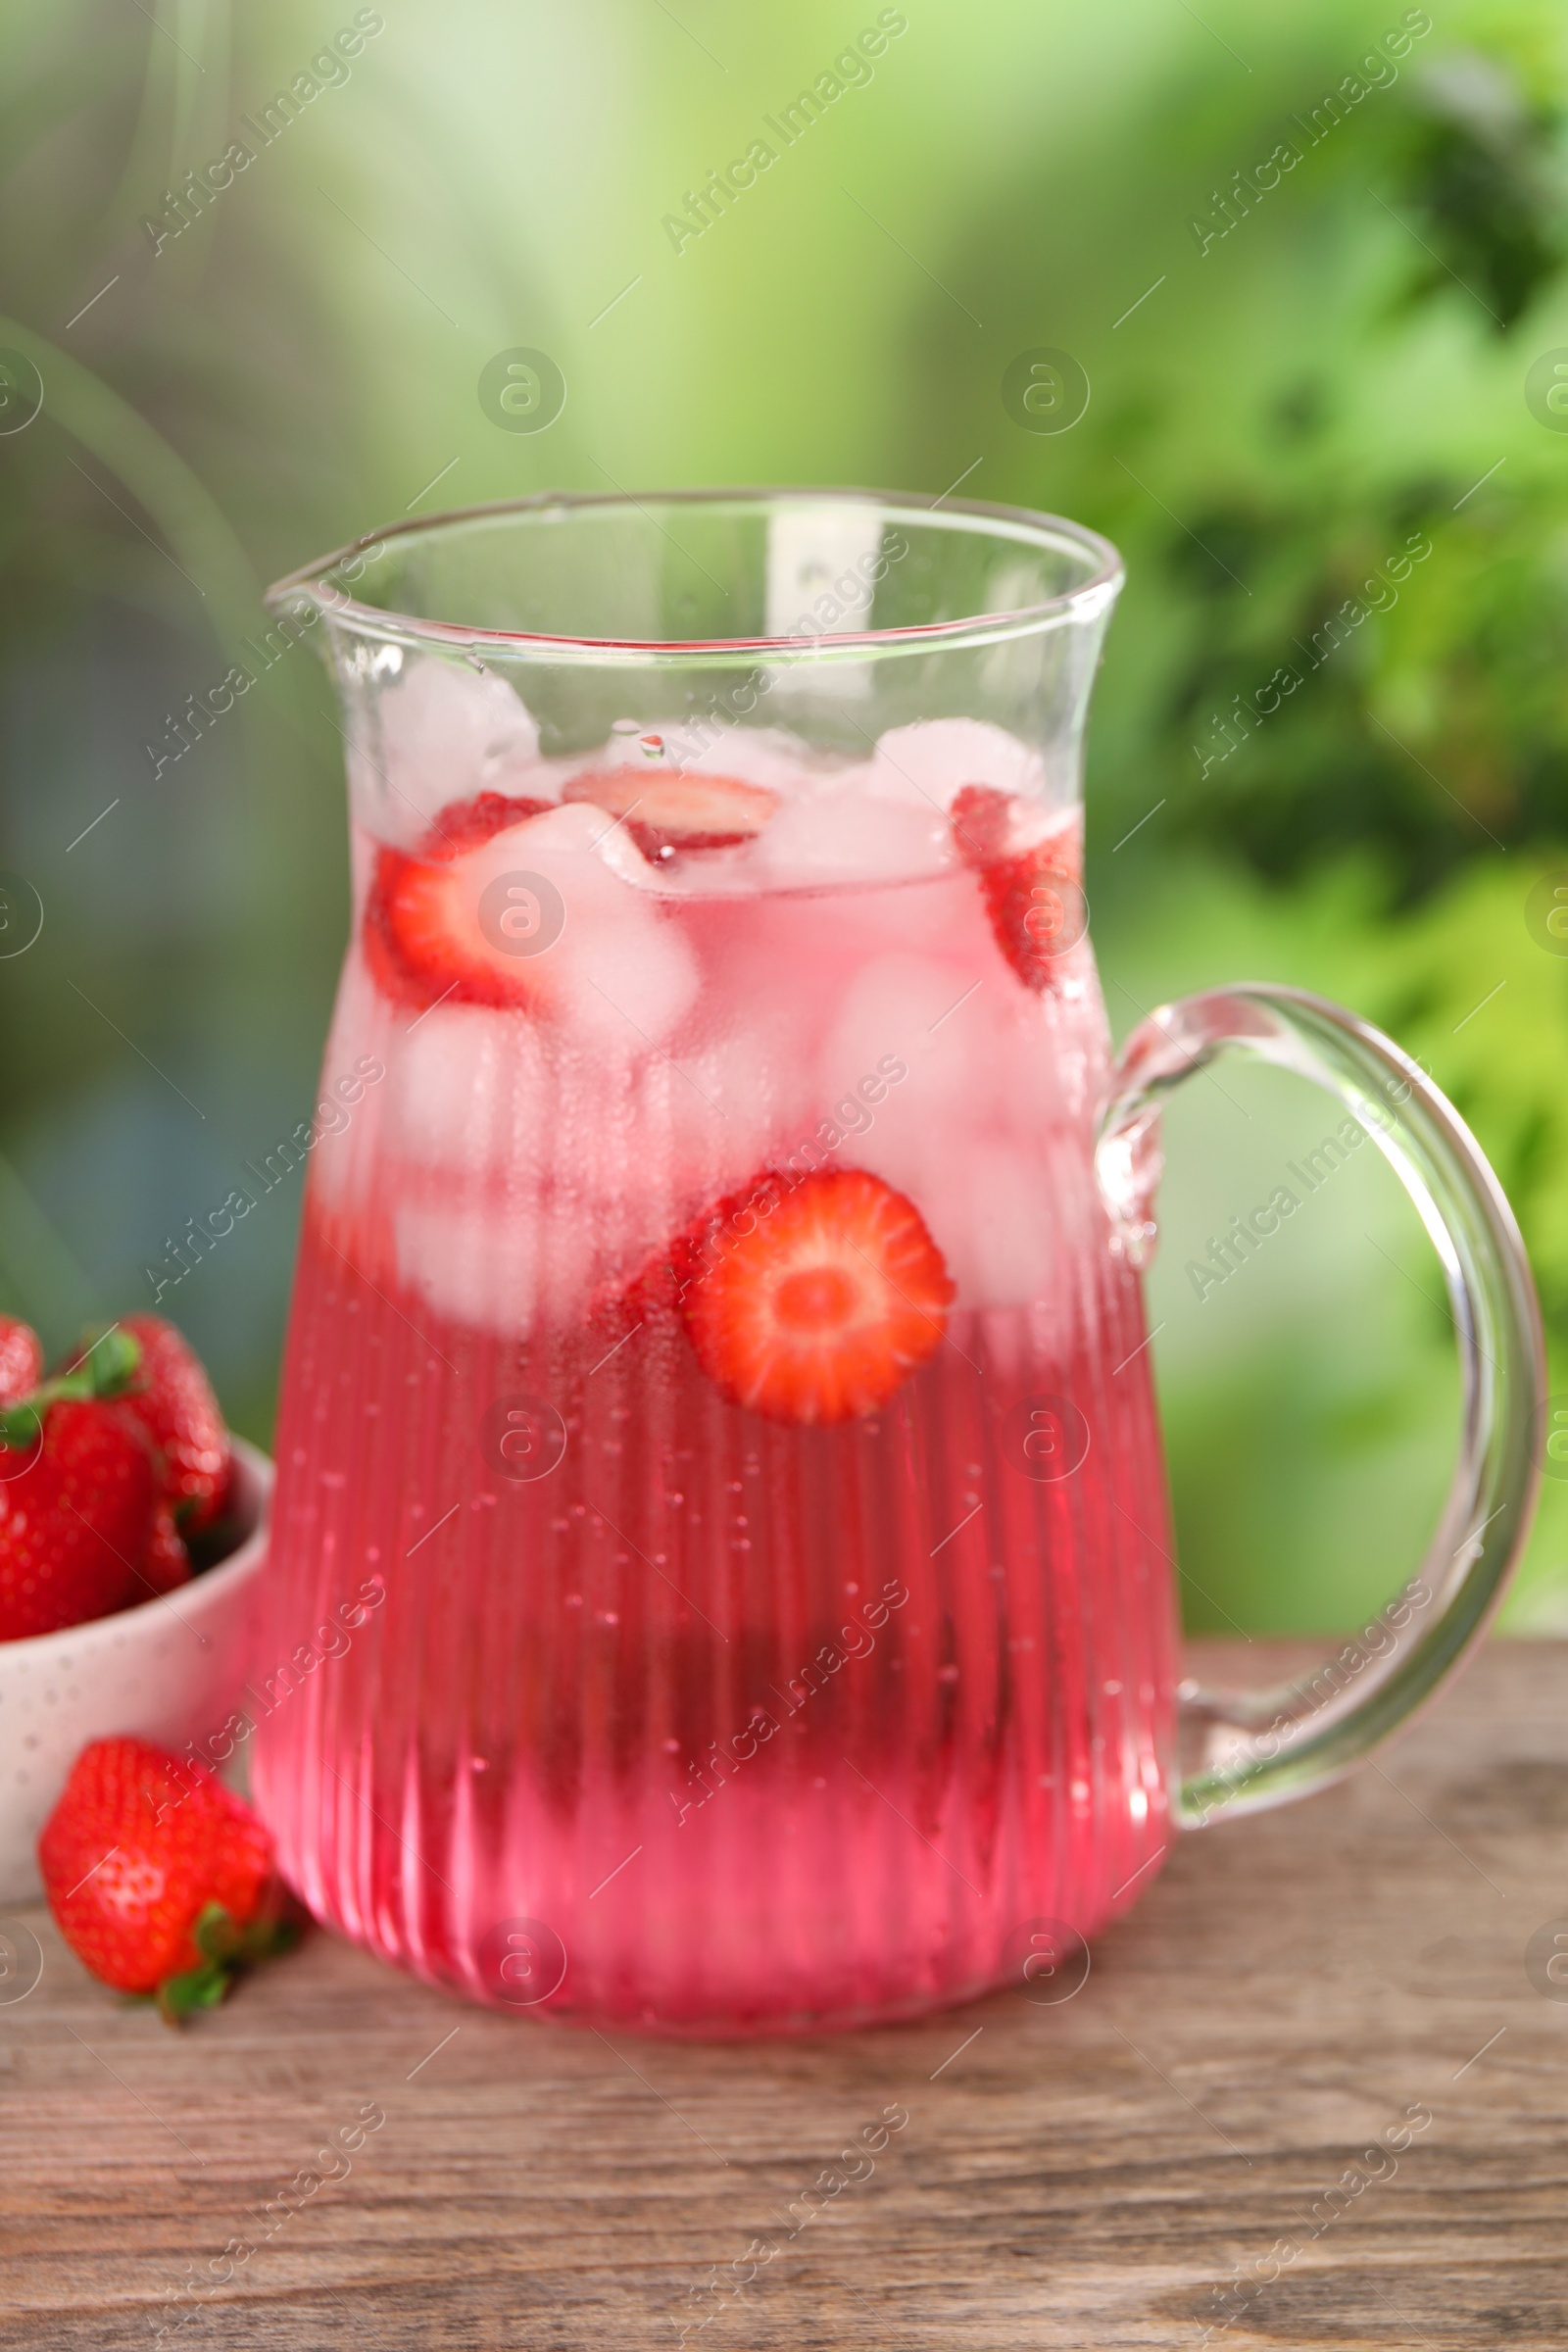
x=168, y=1670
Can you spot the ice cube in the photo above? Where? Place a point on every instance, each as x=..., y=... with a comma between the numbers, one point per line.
x=994, y=1202
x=446, y=731
x=354, y=1070
x=508, y=1259
x=617, y=973
x=918, y=1079
x=844, y=834
x=469, y=1089
x=624, y=987
x=735, y=1108
x=611, y=840
x=706, y=743
x=987, y=1204
x=471, y=1263
x=934, y=759
x=934, y=1020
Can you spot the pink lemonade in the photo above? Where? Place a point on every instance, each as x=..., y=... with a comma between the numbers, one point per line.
x=655, y=1705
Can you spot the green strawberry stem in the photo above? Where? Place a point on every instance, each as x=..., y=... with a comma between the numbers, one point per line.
x=107, y=1368
x=225, y=1949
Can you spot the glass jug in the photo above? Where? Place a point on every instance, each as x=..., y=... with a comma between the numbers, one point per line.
x=720, y=1576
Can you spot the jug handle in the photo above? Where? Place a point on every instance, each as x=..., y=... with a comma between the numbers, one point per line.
x=1265, y=1748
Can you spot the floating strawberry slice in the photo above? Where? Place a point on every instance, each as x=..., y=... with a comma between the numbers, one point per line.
x=984, y=824
x=1033, y=888
x=813, y=1304
x=402, y=926
x=428, y=934
x=159, y=1879
x=677, y=809
x=464, y=824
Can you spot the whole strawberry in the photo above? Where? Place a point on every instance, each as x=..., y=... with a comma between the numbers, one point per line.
x=171, y=1398
x=21, y=1360
x=159, y=1879
x=168, y=1563
x=77, y=1491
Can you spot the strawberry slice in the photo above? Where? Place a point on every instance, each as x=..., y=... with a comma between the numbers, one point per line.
x=813, y=1304
x=1033, y=888
x=464, y=824
x=983, y=824
x=423, y=939
x=668, y=810
x=421, y=936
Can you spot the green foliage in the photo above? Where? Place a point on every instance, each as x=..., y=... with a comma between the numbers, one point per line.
x=106, y=1366
x=1277, y=412
x=1482, y=161
x=1310, y=1448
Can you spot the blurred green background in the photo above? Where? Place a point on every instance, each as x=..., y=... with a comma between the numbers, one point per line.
x=1275, y=411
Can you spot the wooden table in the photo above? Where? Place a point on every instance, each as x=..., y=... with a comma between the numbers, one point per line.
x=1293, y=1994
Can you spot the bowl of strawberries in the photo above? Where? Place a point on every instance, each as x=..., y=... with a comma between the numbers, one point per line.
x=132, y=1528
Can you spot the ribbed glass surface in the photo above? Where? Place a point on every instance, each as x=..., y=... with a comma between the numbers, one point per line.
x=756, y=1726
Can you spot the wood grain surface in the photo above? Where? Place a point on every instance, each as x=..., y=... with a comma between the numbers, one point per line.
x=1221, y=2132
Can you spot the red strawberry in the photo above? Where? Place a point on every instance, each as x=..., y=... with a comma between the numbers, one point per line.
x=167, y=1562
x=416, y=908
x=383, y=951
x=668, y=809
x=464, y=824
x=1033, y=886
x=813, y=1304
x=171, y=1398
x=78, y=1486
x=21, y=1360
x=421, y=938
x=159, y=1879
